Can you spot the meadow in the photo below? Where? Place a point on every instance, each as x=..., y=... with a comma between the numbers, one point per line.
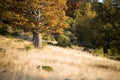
x=20, y=61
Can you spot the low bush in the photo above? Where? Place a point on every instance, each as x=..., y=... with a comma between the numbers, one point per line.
x=28, y=47
x=63, y=40
x=47, y=68
x=110, y=54
x=4, y=29
x=44, y=44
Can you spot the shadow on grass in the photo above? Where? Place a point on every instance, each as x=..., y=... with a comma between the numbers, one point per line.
x=19, y=76
x=110, y=67
x=27, y=37
x=22, y=76
x=114, y=57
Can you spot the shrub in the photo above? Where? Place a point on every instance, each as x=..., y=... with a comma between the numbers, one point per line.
x=4, y=29
x=15, y=34
x=47, y=38
x=44, y=44
x=28, y=47
x=20, y=40
x=63, y=40
x=47, y=68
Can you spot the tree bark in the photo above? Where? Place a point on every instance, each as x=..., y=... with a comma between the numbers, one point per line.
x=0, y=17
x=37, y=38
x=40, y=40
x=105, y=49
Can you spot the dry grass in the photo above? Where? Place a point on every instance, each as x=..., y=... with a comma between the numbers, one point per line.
x=18, y=64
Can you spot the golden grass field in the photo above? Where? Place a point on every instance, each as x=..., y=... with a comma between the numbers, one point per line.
x=17, y=62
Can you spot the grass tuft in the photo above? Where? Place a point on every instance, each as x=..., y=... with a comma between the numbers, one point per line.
x=44, y=44
x=47, y=68
x=28, y=47
x=2, y=50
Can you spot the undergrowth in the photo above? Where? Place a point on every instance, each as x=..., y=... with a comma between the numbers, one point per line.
x=47, y=68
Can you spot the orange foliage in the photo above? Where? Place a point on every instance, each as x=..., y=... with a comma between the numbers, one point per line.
x=54, y=16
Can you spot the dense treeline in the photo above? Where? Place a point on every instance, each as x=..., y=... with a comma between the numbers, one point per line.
x=108, y=21
x=96, y=25
x=92, y=25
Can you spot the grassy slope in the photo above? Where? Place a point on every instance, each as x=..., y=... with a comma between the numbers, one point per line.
x=16, y=63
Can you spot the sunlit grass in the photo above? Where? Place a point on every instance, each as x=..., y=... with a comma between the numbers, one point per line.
x=52, y=63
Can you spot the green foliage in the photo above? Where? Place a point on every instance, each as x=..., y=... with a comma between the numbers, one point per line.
x=63, y=40
x=98, y=52
x=82, y=26
x=15, y=34
x=114, y=57
x=4, y=29
x=108, y=22
x=20, y=40
x=47, y=38
x=44, y=44
x=96, y=25
x=28, y=47
x=82, y=32
x=47, y=68
x=111, y=55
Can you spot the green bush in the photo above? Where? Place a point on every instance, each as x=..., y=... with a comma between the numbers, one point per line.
x=28, y=47
x=63, y=40
x=44, y=44
x=47, y=38
x=15, y=33
x=4, y=29
x=114, y=57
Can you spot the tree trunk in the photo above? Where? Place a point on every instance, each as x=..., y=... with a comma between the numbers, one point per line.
x=37, y=37
x=40, y=40
x=37, y=40
x=1, y=18
x=105, y=49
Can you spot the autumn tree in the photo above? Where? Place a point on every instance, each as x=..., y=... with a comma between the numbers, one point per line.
x=9, y=19
x=45, y=16
x=53, y=16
